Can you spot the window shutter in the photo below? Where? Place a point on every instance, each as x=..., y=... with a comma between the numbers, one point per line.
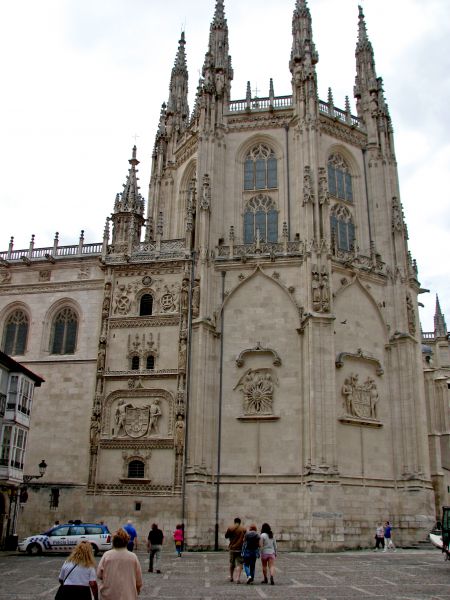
x=272, y=226
x=260, y=168
x=272, y=180
x=260, y=223
x=331, y=180
x=248, y=227
x=249, y=183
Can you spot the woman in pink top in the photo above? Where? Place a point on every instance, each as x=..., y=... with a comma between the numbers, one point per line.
x=119, y=571
x=178, y=536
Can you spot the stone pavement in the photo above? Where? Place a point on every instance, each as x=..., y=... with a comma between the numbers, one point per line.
x=403, y=575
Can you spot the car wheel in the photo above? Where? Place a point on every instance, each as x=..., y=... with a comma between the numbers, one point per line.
x=34, y=549
x=95, y=550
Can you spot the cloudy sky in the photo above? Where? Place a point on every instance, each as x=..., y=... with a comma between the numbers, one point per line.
x=83, y=80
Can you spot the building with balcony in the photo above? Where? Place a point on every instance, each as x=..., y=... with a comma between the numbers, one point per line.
x=17, y=384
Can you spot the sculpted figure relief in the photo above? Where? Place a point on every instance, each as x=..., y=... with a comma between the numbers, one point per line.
x=360, y=400
x=155, y=413
x=137, y=421
x=179, y=435
x=257, y=387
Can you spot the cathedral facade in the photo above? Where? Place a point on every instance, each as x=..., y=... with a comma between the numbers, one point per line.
x=247, y=341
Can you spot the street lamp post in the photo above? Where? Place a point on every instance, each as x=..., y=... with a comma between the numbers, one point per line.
x=19, y=495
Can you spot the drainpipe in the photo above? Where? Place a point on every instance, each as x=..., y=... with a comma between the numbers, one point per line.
x=286, y=129
x=219, y=431
x=188, y=388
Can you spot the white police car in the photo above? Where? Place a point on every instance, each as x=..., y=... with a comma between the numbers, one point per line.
x=63, y=538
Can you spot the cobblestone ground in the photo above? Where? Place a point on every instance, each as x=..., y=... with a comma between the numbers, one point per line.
x=405, y=575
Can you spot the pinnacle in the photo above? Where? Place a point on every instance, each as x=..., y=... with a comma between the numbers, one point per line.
x=219, y=14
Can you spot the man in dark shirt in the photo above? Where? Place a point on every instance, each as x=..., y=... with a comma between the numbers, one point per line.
x=235, y=534
x=154, y=546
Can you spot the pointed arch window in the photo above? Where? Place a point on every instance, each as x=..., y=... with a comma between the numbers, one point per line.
x=136, y=469
x=135, y=363
x=260, y=215
x=339, y=178
x=342, y=228
x=150, y=362
x=260, y=169
x=15, y=333
x=64, y=332
x=146, y=305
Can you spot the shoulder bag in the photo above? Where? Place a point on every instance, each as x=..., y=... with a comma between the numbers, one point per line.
x=61, y=593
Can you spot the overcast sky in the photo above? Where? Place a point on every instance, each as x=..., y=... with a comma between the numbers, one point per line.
x=82, y=78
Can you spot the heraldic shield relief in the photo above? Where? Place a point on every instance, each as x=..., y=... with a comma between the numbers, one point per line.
x=137, y=421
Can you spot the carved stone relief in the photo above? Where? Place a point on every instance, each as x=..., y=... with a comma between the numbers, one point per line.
x=136, y=421
x=257, y=389
x=44, y=275
x=5, y=276
x=411, y=315
x=360, y=399
x=122, y=299
x=320, y=290
x=308, y=194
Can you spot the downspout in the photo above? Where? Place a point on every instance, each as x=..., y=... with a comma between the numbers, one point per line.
x=219, y=422
x=367, y=194
x=288, y=186
x=188, y=389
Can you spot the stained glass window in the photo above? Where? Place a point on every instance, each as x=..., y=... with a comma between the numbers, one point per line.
x=15, y=334
x=339, y=178
x=260, y=169
x=64, y=332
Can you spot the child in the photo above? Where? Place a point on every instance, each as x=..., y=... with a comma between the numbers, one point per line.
x=178, y=536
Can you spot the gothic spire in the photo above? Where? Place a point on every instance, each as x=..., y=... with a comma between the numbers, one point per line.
x=127, y=218
x=440, y=327
x=366, y=77
x=178, y=89
x=303, y=49
x=217, y=70
x=302, y=64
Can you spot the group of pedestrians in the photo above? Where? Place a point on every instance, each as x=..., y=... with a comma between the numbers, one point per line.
x=383, y=537
x=119, y=574
x=246, y=546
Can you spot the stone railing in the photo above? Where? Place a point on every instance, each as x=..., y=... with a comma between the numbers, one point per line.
x=50, y=252
x=284, y=102
x=266, y=249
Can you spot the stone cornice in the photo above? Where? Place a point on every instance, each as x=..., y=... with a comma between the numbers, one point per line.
x=342, y=132
x=156, y=321
x=130, y=444
x=39, y=288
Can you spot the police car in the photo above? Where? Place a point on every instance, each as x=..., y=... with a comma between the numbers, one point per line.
x=63, y=538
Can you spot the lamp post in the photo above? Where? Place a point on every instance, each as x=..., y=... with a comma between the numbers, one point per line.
x=19, y=495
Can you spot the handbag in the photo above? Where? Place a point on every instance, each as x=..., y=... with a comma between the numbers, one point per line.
x=60, y=594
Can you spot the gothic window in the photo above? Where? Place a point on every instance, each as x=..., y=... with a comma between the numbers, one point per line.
x=150, y=363
x=146, y=305
x=135, y=363
x=339, y=178
x=136, y=469
x=260, y=169
x=260, y=214
x=15, y=334
x=342, y=227
x=64, y=332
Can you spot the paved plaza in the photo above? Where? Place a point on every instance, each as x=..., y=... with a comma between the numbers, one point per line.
x=405, y=575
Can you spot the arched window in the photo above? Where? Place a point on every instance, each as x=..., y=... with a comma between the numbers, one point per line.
x=16, y=333
x=150, y=363
x=135, y=363
x=339, y=178
x=260, y=169
x=260, y=214
x=342, y=227
x=64, y=332
x=136, y=469
x=146, y=305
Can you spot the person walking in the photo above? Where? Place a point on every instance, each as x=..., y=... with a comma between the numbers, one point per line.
x=268, y=547
x=235, y=534
x=178, y=538
x=379, y=537
x=155, y=541
x=250, y=552
x=77, y=575
x=119, y=571
x=388, y=543
x=132, y=544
